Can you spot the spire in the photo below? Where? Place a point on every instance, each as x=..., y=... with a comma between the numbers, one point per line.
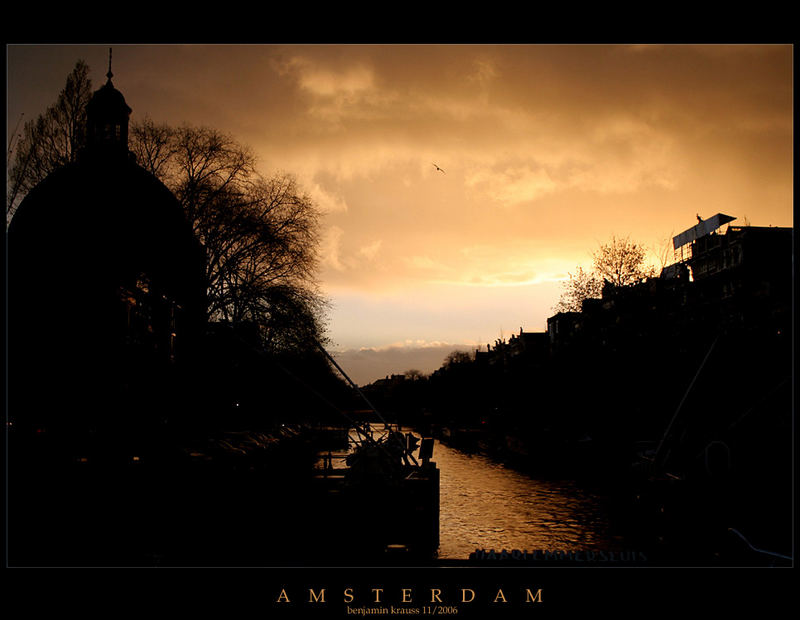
x=109, y=75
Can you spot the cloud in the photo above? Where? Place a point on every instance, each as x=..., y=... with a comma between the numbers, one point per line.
x=521, y=262
x=407, y=345
x=348, y=83
x=317, y=77
x=484, y=72
x=369, y=252
x=507, y=148
x=508, y=278
x=334, y=256
x=511, y=186
x=330, y=249
x=614, y=154
x=426, y=263
x=326, y=201
x=336, y=91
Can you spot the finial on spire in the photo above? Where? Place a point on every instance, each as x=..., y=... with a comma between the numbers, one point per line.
x=109, y=75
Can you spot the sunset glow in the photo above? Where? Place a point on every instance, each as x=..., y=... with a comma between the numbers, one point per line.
x=545, y=152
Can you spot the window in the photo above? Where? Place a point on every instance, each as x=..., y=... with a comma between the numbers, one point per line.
x=143, y=283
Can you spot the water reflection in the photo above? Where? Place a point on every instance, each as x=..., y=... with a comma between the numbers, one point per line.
x=485, y=505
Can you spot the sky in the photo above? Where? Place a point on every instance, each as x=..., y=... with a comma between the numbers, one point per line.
x=461, y=185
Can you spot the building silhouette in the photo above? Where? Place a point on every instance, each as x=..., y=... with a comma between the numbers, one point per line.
x=106, y=289
x=674, y=393
x=106, y=310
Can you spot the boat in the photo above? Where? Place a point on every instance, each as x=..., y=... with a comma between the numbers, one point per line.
x=379, y=498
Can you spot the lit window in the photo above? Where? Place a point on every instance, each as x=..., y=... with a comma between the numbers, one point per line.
x=143, y=283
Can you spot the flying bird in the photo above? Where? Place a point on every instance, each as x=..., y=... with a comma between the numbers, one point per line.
x=439, y=169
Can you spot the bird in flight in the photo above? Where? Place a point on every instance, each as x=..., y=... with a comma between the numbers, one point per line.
x=439, y=169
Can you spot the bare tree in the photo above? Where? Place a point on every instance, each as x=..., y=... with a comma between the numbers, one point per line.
x=580, y=286
x=260, y=233
x=456, y=357
x=622, y=262
x=153, y=145
x=51, y=140
x=664, y=251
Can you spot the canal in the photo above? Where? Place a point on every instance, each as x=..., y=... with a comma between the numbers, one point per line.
x=486, y=505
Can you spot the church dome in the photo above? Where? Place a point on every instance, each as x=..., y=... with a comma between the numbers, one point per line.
x=105, y=216
x=105, y=276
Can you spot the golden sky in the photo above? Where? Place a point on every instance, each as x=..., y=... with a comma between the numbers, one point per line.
x=547, y=151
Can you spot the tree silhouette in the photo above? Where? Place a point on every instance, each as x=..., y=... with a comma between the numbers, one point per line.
x=621, y=262
x=414, y=374
x=580, y=286
x=456, y=357
x=260, y=233
x=50, y=140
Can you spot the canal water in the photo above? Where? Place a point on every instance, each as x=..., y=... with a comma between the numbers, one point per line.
x=486, y=505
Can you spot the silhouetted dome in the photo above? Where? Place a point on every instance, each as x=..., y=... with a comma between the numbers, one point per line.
x=105, y=215
x=101, y=217
x=106, y=280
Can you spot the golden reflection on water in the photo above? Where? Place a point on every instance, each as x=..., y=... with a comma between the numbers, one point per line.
x=484, y=505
